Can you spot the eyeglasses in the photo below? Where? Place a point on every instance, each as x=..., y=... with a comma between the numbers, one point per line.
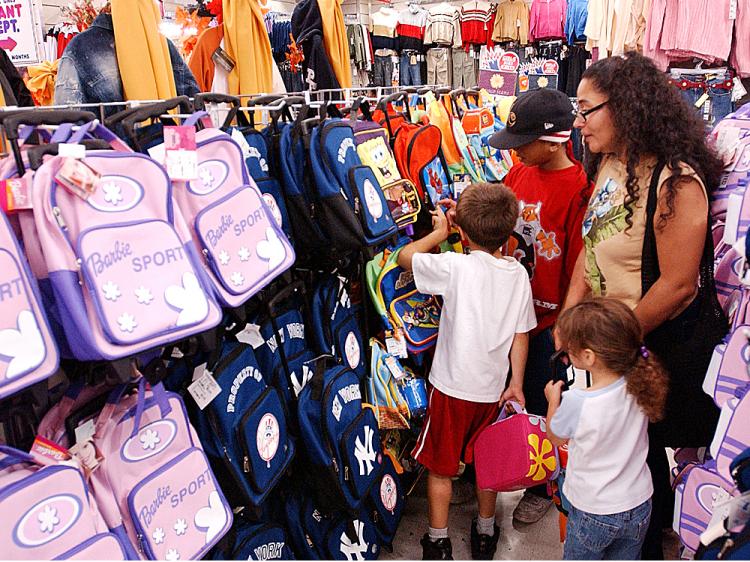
x=585, y=113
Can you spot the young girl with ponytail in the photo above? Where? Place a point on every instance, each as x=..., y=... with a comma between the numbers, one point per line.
x=607, y=481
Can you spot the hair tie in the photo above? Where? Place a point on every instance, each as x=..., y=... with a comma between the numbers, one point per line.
x=644, y=352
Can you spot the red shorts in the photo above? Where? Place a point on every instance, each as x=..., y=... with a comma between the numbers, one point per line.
x=450, y=429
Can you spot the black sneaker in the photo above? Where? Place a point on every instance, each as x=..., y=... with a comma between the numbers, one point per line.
x=440, y=549
x=483, y=547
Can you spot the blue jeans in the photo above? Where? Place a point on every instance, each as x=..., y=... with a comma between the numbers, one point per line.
x=719, y=90
x=409, y=74
x=618, y=536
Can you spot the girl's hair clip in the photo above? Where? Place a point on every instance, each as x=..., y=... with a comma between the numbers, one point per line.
x=644, y=352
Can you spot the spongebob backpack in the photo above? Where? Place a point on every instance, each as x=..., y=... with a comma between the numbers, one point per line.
x=401, y=307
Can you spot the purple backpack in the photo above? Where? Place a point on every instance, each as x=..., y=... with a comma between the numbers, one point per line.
x=242, y=244
x=28, y=353
x=155, y=477
x=49, y=513
x=122, y=267
x=728, y=370
x=699, y=488
x=732, y=432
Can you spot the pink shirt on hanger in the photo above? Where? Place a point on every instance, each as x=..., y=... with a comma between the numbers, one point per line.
x=547, y=19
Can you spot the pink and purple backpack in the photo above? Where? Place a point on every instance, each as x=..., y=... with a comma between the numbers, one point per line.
x=728, y=370
x=28, y=353
x=732, y=435
x=49, y=513
x=155, y=477
x=242, y=244
x=124, y=274
x=515, y=453
x=699, y=489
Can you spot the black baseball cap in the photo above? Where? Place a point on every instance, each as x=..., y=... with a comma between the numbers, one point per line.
x=538, y=113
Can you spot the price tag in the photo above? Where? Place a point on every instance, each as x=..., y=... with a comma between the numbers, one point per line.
x=77, y=177
x=701, y=100
x=733, y=9
x=518, y=22
x=45, y=449
x=69, y=150
x=87, y=455
x=394, y=367
x=251, y=336
x=413, y=60
x=181, y=156
x=15, y=195
x=221, y=58
x=205, y=389
x=240, y=139
x=396, y=346
x=85, y=431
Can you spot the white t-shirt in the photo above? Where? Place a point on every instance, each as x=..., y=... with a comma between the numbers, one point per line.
x=486, y=301
x=607, y=470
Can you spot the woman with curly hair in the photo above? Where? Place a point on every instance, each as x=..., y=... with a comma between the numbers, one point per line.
x=647, y=242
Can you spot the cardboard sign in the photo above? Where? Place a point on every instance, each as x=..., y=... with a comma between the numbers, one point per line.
x=20, y=30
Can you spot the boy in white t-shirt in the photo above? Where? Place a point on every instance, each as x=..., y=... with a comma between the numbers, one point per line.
x=486, y=316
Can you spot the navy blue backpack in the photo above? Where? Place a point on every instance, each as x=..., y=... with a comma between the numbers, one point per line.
x=335, y=326
x=259, y=164
x=353, y=208
x=254, y=541
x=317, y=536
x=341, y=439
x=285, y=357
x=386, y=502
x=245, y=427
x=300, y=197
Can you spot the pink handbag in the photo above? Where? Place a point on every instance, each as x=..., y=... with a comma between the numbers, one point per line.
x=514, y=453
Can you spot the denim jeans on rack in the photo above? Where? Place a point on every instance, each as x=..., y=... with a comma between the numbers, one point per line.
x=694, y=87
x=382, y=71
x=410, y=74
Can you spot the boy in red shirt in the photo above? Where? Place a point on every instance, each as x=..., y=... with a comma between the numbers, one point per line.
x=553, y=192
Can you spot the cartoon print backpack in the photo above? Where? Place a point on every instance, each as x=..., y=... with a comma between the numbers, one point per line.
x=245, y=427
x=354, y=210
x=335, y=325
x=728, y=369
x=420, y=158
x=728, y=273
x=383, y=392
x=124, y=274
x=403, y=197
x=28, y=353
x=49, y=513
x=340, y=437
x=319, y=536
x=698, y=490
x=242, y=243
x=400, y=305
x=254, y=541
x=732, y=435
x=514, y=452
x=155, y=476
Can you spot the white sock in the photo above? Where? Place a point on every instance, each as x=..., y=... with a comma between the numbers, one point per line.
x=486, y=526
x=437, y=534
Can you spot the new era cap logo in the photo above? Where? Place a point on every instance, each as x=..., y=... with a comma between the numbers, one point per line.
x=548, y=126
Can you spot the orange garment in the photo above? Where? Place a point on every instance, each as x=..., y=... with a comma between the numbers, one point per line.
x=246, y=42
x=201, y=64
x=335, y=40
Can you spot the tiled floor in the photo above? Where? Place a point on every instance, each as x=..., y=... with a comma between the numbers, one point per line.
x=540, y=541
